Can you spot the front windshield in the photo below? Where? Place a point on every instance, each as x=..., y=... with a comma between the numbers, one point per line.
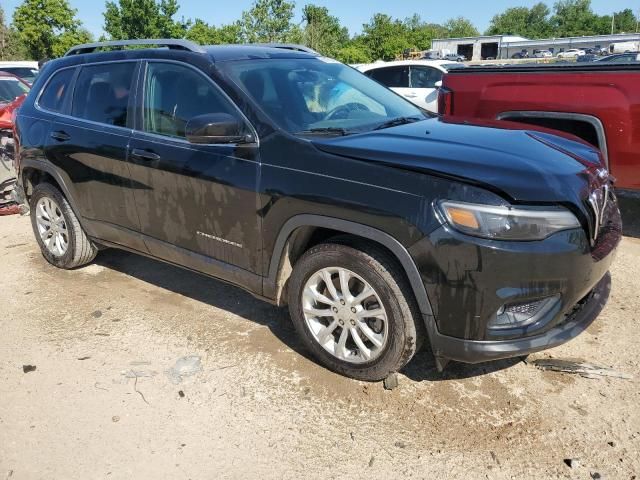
x=11, y=88
x=317, y=94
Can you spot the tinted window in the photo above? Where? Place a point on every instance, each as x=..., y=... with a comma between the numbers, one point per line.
x=425, y=77
x=174, y=94
x=56, y=90
x=11, y=88
x=392, y=77
x=102, y=93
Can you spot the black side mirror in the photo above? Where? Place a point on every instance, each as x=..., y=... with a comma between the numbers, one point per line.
x=216, y=128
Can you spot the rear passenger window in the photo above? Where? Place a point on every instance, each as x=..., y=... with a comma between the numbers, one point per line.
x=56, y=90
x=392, y=77
x=102, y=93
x=174, y=94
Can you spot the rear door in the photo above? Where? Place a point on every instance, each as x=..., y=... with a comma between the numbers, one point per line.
x=200, y=202
x=88, y=142
x=396, y=78
x=423, y=89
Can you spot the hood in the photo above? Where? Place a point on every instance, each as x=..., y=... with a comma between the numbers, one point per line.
x=521, y=163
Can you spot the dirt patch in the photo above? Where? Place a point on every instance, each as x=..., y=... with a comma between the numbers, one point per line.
x=100, y=402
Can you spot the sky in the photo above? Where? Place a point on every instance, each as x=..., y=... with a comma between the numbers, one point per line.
x=352, y=13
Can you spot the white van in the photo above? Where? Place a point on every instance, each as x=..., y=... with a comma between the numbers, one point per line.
x=624, y=47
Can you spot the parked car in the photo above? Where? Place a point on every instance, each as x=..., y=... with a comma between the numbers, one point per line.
x=598, y=102
x=621, y=58
x=11, y=87
x=519, y=55
x=542, y=54
x=12, y=93
x=589, y=57
x=27, y=71
x=307, y=183
x=571, y=53
x=455, y=57
x=416, y=80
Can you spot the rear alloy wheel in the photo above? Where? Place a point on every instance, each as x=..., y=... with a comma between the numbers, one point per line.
x=62, y=240
x=52, y=226
x=354, y=310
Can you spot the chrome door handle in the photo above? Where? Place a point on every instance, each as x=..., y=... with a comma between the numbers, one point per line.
x=145, y=155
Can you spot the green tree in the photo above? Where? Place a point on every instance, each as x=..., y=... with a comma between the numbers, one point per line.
x=70, y=38
x=625, y=21
x=206, y=34
x=529, y=22
x=385, y=37
x=11, y=48
x=420, y=34
x=132, y=19
x=46, y=26
x=269, y=21
x=460, y=27
x=573, y=18
x=322, y=31
x=354, y=52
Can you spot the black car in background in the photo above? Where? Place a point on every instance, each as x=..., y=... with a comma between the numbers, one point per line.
x=306, y=183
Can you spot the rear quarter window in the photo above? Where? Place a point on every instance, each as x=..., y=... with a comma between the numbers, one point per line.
x=56, y=90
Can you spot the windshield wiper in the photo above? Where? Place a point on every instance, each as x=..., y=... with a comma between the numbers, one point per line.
x=326, y=131
x=394, y=122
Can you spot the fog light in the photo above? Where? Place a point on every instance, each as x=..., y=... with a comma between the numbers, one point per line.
x=522, y=314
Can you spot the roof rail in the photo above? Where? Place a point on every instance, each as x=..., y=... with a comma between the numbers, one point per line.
x=172, y=44
x=287, y=46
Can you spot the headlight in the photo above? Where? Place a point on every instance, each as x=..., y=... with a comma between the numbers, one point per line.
x=507, y=223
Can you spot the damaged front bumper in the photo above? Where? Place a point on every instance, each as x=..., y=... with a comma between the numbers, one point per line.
x=447, y=348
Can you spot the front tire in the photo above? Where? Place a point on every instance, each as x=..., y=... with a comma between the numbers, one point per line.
x=58, y=232
x=354, y=310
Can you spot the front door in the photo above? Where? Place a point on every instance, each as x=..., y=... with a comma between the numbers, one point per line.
x=200, y=201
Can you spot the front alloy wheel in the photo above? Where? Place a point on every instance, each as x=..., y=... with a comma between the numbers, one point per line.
x=354, y=309
x=345, y=315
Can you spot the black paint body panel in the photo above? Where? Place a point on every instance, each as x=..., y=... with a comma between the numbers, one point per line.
x=228, y=211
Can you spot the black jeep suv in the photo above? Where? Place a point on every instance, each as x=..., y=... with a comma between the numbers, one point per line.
x=306, y=183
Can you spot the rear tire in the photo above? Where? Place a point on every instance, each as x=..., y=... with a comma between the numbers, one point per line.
x=58, y=232
x=386, y=323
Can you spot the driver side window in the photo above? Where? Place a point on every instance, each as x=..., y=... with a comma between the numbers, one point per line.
x=174, y=94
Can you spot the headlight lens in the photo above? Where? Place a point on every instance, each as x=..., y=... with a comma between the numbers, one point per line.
x=507, y=223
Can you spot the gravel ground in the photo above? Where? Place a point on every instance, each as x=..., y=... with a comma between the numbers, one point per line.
x=101, y=402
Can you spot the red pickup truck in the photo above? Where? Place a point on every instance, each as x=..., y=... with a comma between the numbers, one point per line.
x=598, y=102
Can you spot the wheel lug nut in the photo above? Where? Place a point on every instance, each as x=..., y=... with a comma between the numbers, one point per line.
x=335, y=310
x=353, y=322
x=341, y=322
x=342, y=302
x=353, y=309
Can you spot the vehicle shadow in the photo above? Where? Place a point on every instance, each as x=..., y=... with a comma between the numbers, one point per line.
x=235, y=300
x=630, y=210
x=423, y=368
